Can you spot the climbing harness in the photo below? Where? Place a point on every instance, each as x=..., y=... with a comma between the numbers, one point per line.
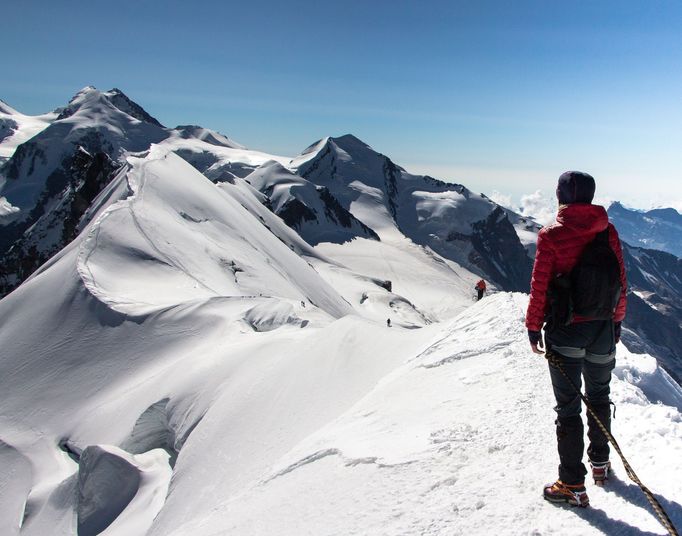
x=660, y=512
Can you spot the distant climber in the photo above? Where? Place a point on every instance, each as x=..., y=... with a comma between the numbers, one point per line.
x=480, y=289
x=388, y=322
x=302, y=303
x=578, y=288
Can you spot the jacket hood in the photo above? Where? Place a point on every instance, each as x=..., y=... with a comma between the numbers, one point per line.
x=583, y=218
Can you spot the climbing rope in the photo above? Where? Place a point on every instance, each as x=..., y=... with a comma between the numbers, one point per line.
x=660, y=512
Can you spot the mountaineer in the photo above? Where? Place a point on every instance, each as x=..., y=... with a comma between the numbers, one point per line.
x=578, y=288
x=480, y=289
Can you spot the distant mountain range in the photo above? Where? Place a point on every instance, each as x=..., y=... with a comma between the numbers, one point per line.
x=335, y=190
x=58, y=166
x=660, y=228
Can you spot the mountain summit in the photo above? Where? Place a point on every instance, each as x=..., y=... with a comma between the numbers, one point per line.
x=468, y=228
x=90, y=98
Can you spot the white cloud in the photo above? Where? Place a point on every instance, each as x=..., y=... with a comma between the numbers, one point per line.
x=502, y=199
x=540, y=207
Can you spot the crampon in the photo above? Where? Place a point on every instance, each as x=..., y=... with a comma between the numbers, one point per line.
x=575, y=495
x=600, y=472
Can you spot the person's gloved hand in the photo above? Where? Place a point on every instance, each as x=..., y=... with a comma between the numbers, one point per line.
x=616, y=331
x=535, y=338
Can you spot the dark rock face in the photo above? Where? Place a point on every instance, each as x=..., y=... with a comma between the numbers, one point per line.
x=26, y=155
x=391, y=174
x=335, y=225
x=324, y=162
x=335, y=212
x=7, y=128
x=53, y=223
x=654, y=309
x=294, y=213
x=498, y=252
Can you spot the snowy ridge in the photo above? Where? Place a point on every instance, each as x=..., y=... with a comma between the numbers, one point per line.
x=440, y=442
x=207, y=135
x=88, y=243
x=170, y=196
x=344, y=426
x=216, y=156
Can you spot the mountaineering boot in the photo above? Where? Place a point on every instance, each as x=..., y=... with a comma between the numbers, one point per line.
x=600, y=472
x=574, y=495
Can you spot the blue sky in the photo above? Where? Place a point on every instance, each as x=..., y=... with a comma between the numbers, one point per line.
x=497, y=95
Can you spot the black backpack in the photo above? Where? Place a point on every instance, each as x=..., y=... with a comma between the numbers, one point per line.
x=592, y=289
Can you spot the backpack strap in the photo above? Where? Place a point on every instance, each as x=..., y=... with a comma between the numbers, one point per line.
x=603, y=236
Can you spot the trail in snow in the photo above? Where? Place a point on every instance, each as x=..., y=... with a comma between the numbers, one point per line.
x=217, y=249
x=460, y=441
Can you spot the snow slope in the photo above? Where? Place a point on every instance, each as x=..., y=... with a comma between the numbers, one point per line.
x=218, y=248
x=16, y=128
x=458, y=439
x=190, y=365
x=347, y=428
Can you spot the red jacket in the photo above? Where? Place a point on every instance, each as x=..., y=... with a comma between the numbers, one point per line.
x=560, y=246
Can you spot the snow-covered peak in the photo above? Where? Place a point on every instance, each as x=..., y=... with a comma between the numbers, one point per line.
x=462, y=226
x=93, y=120
x=7, y=109
x=272, y=173
x=90, y=100
x=209, y=136
x=351, y=143
x=16, y=128
x=123, y=103
x=347, y=151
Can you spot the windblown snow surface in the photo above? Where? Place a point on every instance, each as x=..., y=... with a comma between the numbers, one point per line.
x=189, y=365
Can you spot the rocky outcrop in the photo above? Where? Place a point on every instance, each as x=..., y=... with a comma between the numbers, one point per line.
x=499, y=253
x=54, y=222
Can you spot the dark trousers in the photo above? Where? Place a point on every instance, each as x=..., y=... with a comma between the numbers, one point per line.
x=569, y=424
x=480, y=292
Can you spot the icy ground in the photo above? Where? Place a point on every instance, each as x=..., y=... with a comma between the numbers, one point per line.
x=189, y=365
